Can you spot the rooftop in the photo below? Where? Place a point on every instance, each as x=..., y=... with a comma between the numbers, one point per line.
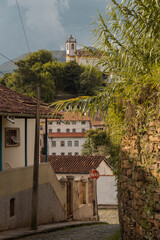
x=67, y=135
x=74, y=164
x=13, y=103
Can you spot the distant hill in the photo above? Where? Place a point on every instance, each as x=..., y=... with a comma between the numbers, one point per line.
x=9, y=67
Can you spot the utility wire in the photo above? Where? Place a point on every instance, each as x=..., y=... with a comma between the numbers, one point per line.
x=23, y=26
x=2, y=73
x=7, y=58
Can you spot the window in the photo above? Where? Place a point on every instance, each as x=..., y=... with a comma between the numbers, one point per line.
x=67, y=123
x=12, y=137
x=62, y=143
x=53, y=143
x=69, y=154
x=12, y=207
x=67, y=130
x=74, y=123
x=74, y=130
x=54, y=154
x=50, y=122
x=83, y=130
x=50, y=130
x=76, y=143
x=58, y=130
x=83, y=122
x=72, y=46
x=58, y=123
x=62, y=154
x=76, y=154
x=69, y=143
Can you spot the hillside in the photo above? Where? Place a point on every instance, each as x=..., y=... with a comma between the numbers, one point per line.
x=9, y=67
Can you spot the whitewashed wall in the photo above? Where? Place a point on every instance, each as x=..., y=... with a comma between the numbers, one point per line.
x=58, y=149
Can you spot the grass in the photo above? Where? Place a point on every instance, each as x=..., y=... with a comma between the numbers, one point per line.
x=116, y=236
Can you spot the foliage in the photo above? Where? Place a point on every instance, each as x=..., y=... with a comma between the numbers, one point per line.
x=72, y=72
x=90, y=79
x=53, y=76
x=94, y=139
x=32, y=70
x=128, y=37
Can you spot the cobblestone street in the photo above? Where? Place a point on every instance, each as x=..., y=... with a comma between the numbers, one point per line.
x=109, y=215
x=92, y=232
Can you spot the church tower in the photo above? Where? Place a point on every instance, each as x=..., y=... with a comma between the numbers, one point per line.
x=71, y=49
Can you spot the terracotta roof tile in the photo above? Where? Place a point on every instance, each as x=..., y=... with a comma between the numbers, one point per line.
x=72, y=116
x=67, y=135
x=74, y=164
x=14, y=103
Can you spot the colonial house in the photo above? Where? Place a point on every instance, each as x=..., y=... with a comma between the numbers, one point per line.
x=17, y=128
x=67, y=135
x=81, y=166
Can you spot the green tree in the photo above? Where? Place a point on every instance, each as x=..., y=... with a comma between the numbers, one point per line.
x=90, y=80
x=95, y=138
x=5, y=79
x=71, y=77
x=31, y=70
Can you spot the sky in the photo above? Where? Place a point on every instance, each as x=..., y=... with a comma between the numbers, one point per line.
x=48, y=24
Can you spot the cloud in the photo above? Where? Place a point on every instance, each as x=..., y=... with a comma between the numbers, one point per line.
x=42, y=20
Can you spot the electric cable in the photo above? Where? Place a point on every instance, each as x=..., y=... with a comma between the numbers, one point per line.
x=23, y=26
x=7, y=58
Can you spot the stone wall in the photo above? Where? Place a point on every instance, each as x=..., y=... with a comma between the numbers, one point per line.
x=139, y=183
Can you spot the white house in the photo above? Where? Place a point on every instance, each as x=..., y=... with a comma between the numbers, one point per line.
x=66, y=136
x=17, y=128
x=80, y=167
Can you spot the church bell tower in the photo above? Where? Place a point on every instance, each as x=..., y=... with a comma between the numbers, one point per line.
x=71, y=47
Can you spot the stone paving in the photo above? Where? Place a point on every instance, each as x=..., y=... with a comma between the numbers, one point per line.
x=92, y=232
x=108, y=215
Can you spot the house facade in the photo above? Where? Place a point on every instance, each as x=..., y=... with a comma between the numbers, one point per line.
x=80, y=167
x=67, y=135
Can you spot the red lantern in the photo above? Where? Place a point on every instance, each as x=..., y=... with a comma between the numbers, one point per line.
x=94, y=174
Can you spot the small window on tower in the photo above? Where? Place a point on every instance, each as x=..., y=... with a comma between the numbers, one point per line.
x=72, y=46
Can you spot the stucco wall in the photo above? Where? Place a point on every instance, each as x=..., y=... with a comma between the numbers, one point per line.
x=15, y=156
x=58, y=149
x=78, y=126
x=106, y=190
x=17, y=183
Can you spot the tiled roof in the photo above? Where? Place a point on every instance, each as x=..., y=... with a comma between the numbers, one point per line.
x=74, y=164
x=16, y=104
x=67, y=135
x=71, y=116
x=85, y=53
x=98, y=123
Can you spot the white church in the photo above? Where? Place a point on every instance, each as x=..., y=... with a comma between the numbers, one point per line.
x=81, y=56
